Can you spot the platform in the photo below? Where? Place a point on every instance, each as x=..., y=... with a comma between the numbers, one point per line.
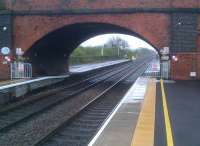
x=7, y=82
x=166, y=114
x=119, y=127
x=13, y=89
x=183, y=102
x=74, y=68
x=92, y=66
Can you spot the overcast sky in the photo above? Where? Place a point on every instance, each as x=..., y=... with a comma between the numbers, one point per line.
x=102, y=39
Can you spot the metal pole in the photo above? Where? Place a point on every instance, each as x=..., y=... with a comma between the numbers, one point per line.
x=11, y=71
x=102, y=51
x=118, y=52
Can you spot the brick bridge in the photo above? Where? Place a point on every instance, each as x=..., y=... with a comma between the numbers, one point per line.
x=49, y=30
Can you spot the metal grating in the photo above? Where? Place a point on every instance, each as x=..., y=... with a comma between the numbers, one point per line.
x=183, y=32
x=5, y=35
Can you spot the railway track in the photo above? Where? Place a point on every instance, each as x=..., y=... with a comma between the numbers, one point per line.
x=53, y=89
x=18, y=116
x=82, y=127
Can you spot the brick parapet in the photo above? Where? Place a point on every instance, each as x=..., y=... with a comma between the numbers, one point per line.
x=96, y=4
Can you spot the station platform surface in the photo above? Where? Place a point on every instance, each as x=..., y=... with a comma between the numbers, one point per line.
x=166, y=113
x=183, y=102
x=119, y=127
x=6, y=82
x=92, y=66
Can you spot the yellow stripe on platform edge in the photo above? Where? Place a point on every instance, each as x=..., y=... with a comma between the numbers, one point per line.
x=144, y=131
x=168, y=128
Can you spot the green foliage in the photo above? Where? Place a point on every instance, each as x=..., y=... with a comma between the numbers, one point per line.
x=115, y=48
x=143, y=52
x=83, y=55
x=86, y=51
x=97, y=51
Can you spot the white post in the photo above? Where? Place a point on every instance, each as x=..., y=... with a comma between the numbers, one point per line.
x=11, y=71
x=118, y=52
x=102, y=51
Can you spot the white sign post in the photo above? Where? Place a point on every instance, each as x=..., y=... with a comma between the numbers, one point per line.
x=164, y=53
x=19, y=52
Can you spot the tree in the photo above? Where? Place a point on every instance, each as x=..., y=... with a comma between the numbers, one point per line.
x=118, y=44
x=139, y=52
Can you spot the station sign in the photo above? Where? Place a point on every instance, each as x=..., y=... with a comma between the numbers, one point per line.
x=193, y=74
x=5, y=51
x=164, y=54
x=19, y=52
x=164, y=51
x=165, y=57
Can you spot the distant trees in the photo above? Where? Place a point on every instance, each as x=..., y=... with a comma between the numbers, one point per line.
x=114, y=48
x=117, y=42
x=86, y=51
x=143, y=52
x=120, y=46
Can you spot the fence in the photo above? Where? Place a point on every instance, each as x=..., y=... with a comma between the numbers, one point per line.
x=20, y=70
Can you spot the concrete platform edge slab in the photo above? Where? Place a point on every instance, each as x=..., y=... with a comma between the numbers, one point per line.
x=118, y=128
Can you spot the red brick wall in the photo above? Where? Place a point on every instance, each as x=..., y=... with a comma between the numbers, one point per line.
x=153, y=27
x=75, y=4
x=198, y=38
x=187, y=62
x=185, y=3
x=198, y=66
x=4, y=70
x=198, y=48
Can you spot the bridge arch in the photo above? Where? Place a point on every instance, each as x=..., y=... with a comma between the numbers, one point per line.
x=49, y=55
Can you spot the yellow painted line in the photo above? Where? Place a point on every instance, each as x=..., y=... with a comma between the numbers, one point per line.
x=144, y=132
x=168, y=128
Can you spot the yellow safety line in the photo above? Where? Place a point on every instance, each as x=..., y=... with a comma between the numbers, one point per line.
x=144, y=132
x=168, y=128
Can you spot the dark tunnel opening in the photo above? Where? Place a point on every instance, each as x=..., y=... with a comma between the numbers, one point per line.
x=49, y=55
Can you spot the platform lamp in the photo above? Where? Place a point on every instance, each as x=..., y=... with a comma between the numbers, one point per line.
x=3, y=28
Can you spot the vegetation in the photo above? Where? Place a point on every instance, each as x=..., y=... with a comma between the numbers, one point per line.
x=143, y=52
x=115, y=48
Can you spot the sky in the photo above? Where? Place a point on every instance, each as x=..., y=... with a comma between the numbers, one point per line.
x=133, y=42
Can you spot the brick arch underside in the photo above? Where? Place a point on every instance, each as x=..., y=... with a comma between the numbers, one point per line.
x=53, y=41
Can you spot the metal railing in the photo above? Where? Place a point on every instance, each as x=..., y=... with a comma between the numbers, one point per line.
x=20, y=70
